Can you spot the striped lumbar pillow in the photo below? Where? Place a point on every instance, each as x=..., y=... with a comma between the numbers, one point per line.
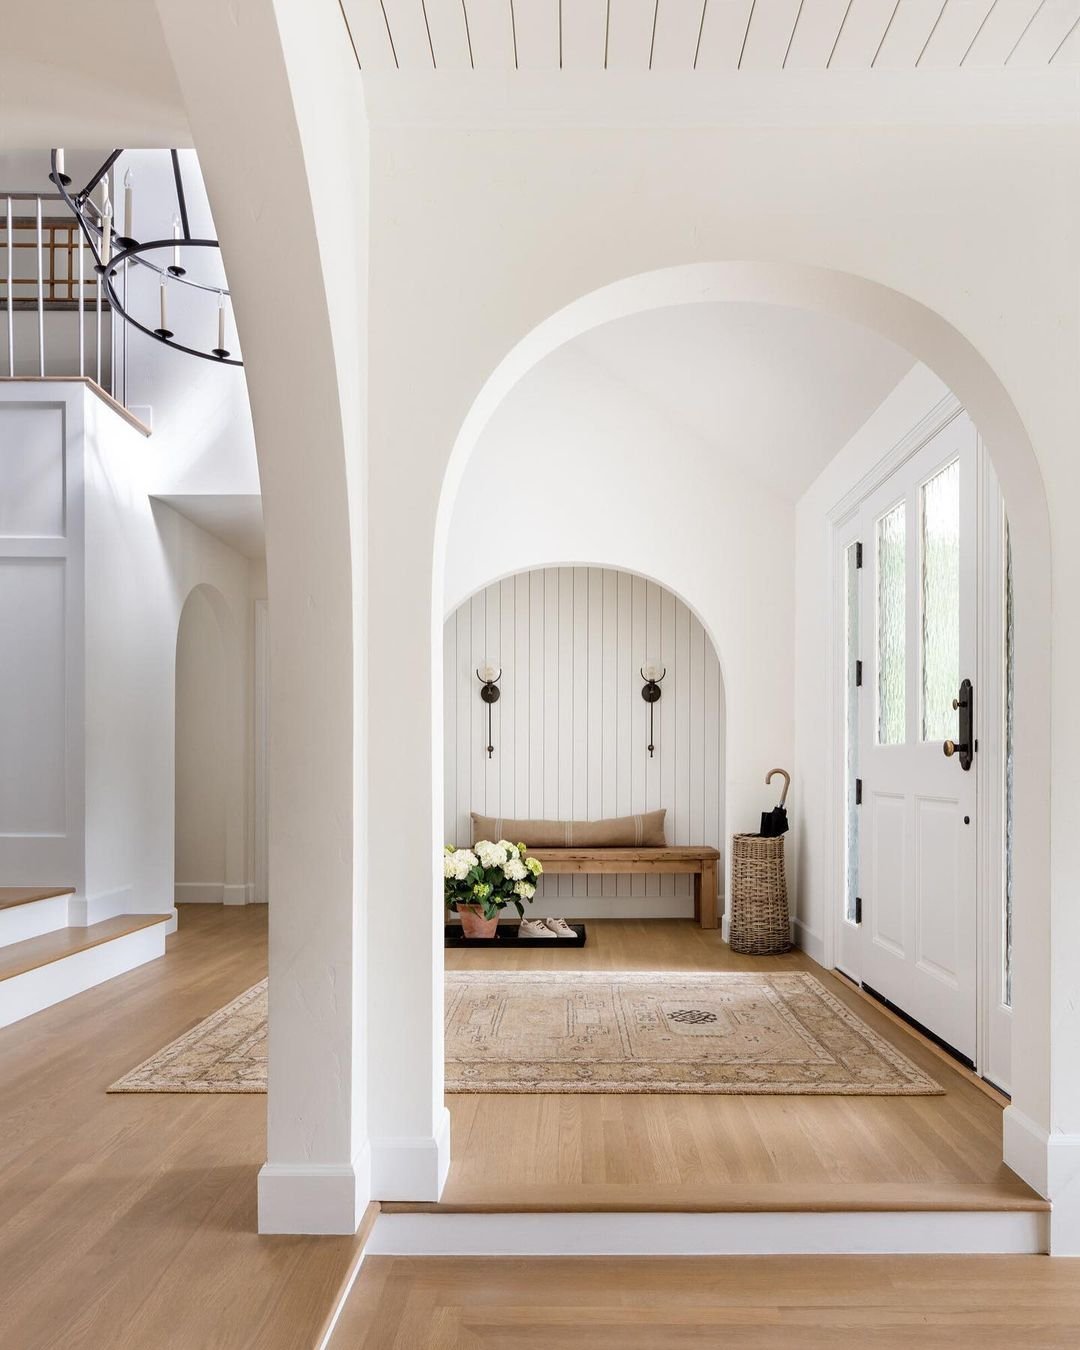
x=645, y=830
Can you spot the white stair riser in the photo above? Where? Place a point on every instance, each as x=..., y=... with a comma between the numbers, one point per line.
x=732, y=1234
x=23, y=995
x=32, y=920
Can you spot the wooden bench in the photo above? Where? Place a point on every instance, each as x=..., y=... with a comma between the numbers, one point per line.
x=702, y=863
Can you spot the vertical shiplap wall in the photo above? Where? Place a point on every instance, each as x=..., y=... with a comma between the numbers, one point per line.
x=571, y=728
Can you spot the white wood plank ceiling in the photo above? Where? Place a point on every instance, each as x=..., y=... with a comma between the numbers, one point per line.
x=714, y=35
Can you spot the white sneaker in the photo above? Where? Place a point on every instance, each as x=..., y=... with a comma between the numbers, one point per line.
x=560, y=928
x=533, y=928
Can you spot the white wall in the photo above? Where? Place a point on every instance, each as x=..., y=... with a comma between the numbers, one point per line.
x=571, y=729
x=74, y=473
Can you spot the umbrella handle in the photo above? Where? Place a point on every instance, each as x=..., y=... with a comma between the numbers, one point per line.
x=787, y=782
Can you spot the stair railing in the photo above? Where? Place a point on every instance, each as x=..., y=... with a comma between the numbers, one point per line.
x=44, y=269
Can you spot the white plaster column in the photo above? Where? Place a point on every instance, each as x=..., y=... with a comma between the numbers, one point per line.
x=283, y=160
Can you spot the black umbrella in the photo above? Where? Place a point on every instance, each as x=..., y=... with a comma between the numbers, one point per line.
x=775, y=822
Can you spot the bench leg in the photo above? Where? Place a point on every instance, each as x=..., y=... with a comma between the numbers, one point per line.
x=705, y=889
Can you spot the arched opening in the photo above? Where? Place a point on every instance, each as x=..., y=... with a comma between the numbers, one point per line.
x=202, y=753
x=571, y=736
x=214, y=825
x=943, y=351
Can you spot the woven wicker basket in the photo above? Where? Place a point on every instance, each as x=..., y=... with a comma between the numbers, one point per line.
x=760, y=924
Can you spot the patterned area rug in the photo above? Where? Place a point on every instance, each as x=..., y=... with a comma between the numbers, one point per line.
x=709, y=1032
x=226, y=1052
x=716, y=1032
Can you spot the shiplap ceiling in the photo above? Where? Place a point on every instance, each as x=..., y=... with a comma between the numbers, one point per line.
x=713, y=35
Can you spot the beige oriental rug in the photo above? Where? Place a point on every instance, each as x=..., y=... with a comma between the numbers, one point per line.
x=226, y=1052
x=621, y=1032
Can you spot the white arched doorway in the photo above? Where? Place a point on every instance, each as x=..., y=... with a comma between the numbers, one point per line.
x=211, y=754
x=945, y=351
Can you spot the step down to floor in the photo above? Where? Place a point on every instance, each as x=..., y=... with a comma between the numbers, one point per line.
x=13, y=896
x=31, y=911
x=46, y=969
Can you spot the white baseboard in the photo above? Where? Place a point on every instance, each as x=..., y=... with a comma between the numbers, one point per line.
x=104, y=905
x=199, y=892
x=808, y=940
x=314, y=1197
x=1025, y=1148
x=235, y=895
x=413, y=1168
x=23, y=995
x=1050, y=1164
x=728, y=1234
x=32, y=920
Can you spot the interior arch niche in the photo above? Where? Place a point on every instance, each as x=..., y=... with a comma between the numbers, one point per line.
x=571, y=731
x=209, y=753
x=945, y=351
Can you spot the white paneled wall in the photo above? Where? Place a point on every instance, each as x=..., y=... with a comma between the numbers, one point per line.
x=571, y=728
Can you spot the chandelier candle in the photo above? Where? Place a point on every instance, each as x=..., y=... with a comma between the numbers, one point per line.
x=60, y=164
x=221, y=321
x=176, y=241
x=129, y=204
x=164, y=307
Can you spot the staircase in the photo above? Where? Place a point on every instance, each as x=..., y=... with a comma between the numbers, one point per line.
x=44, y=960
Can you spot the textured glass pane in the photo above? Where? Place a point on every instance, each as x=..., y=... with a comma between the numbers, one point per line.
x=851, y=730
x=1009, y=761
x=941, y=603
x=891, y=633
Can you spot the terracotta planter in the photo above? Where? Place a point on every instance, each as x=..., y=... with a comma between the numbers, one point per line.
x=473, y=923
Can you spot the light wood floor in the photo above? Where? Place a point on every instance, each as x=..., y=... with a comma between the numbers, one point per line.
x=741, y=1303
x=709, y=1152
x=128, y=1222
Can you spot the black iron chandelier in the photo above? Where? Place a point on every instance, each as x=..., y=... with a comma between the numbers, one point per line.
x=113, y=252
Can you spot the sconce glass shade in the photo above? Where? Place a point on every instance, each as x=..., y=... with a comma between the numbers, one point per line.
x=652, y=668
x=489, y=669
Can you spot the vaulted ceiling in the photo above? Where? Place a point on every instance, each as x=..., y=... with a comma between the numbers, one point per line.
x=714, y=35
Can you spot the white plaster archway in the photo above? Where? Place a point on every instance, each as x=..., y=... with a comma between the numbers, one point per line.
x=231, y=750
x=939, y=345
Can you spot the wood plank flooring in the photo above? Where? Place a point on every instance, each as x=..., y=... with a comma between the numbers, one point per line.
x=740, y=1303
x=721, y=1152
x=128, y=1222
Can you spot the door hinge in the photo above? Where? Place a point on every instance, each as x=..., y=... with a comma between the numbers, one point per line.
x=858, y=792
x=858, y=909
x=858, y=553
x=858, y=674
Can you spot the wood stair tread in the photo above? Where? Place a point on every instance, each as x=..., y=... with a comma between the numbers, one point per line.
x=1009, y=1194
x=20, y=957
x=11, y=896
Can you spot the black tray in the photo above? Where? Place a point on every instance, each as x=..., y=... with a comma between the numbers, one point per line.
x=506, y=935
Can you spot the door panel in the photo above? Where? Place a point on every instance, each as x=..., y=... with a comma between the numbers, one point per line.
x=888, y=830
x=917, y=831
x=937, y=881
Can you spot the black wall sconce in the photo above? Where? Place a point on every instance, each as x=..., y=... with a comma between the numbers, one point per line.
x=652, y=672
x=489, y=675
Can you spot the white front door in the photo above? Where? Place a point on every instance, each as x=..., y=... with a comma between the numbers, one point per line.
x=916, y=821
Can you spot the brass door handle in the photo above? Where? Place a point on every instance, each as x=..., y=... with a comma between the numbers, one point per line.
x=950, y=749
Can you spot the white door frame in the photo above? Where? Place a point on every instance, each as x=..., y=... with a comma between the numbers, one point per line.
x=993, y=1020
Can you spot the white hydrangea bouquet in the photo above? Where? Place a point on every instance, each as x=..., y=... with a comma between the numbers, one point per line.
x=488, y=876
